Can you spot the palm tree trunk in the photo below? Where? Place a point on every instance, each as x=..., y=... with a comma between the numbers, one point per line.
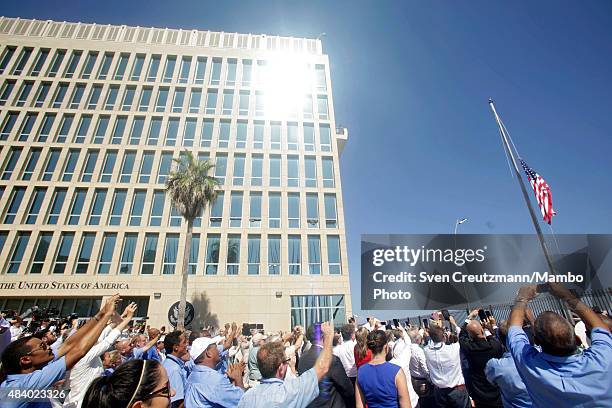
x=180, y=325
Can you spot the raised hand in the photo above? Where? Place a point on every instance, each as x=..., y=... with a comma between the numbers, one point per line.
x=129, y=311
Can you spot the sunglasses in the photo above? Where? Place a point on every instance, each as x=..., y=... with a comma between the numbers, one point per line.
x=162, y=392
x=41, y=346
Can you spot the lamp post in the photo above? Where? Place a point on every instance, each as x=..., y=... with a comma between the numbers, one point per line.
x=459, y=222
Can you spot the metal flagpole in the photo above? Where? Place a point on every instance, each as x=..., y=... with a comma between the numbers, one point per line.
x=525, y=195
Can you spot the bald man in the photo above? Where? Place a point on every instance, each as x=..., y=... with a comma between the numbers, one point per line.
x=478, y=348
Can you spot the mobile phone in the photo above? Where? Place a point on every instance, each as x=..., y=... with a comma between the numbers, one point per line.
x=407, y=322
x=426, y=323
x=445, y=314
x=488, y=314
x=481, y=314
x=396, y=323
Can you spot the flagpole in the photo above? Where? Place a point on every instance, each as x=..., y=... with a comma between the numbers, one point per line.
x=523, y=189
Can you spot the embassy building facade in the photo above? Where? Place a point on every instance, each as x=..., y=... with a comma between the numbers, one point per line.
x=91, y=118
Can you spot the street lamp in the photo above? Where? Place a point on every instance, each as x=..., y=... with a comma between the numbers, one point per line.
x=459, y=221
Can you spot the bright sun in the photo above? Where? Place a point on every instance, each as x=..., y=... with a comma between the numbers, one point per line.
x=286, y=81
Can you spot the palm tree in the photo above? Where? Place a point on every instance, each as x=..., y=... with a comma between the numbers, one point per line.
x=190, y=189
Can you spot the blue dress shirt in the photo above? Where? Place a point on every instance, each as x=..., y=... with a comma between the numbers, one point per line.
x=581, y=380
x=177, y=375
x=209, y=388
x=152, y=354
x=275, y=393
x=39, y=379
x=503, y=373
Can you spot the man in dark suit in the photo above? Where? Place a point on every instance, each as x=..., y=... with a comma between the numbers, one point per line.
x=335, y=389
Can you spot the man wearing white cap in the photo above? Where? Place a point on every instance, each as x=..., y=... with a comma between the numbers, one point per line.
x=206, y=387
x=257, y=341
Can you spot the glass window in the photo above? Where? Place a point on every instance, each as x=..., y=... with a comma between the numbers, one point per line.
x=3, y=236
x=179, y=99
x=164, y=167
x=96, y=208
x=146, y=167
x=309, y=137
x=154, y=131
x=60, y=94
x=22, y=61
x=170, y=251
x=247, y=72
x=274, y=251
x=320, y=78
x=78, y=200
x=331, y=219
x=215, y=76
x=73, y=62
x=31, y=163
x=119, y=129
x=105, y=66
x=292, y=136
x=52, y=160
x=19, y=249
x=325, y=135
x=211, y=102
x=45, y=128
x=312, y=210
x=243, y=103
x=71, y=162
x=236, y=209
x=7, y=89
x=216, y=211
x=82, y=129
x=230, y=79
x=26, y=88
x=233, y=254
x=11, y=162
x=101, y=129
x=275, y=171
x=228, y=102
x=7, y=54
x=314, y=255
x=195, y=100
x=310, y=173
x=169, y=69
x=127, y=253
x=162, y=100
x=172, y=132
x=241, y=134
x=63, y=252
x=200, y=70
x=255, y=210
x=111, y=97
x=293, y=208
x=117, y=209
x=254, y=244
x=43, y=92
x=94, y=97
x=322, y=107
x=145, y=99
x=293, y=176
x=153, y=68
x=184, y=72
x=26, y=127
x=128, y=167
x=328, y=172
x=238, y=176
x=189, y=136
x=260, y=104
x=59, y=196
x=85, y=250
x=136, y=132
x=149, y=252
x=294, y=250
x=224, y=133
x=90, y=62
x=128, y=98
x=157, y=208
x=56, y=63
x=43, y=53
x=175, y=218
x=207, y=133
x=109, y=165
x=256, y=169
x=137, y=207
x=213, y=242
x=333, y=254
x=258, y=135
x=274, y=210
x=275, y=136
x=8, y=125
x=14, y=204
x=220, y=168
x=35, y=204
x=106, y=254
x=137, y=68
x=121, y=66
x=90, y=165
x=40, y=255
x=62, y=135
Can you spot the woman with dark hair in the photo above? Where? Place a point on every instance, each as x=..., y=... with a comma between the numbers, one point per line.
x=135, y=384
x=362, y=353
x=381, y=384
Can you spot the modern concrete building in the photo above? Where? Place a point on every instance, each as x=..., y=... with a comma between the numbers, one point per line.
x=91, y=117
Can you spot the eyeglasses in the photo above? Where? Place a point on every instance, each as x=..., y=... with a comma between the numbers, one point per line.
x=162, y=392
x=41, y=346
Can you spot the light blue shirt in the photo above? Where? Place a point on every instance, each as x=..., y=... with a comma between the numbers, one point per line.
x=581, y=380
x=503, y=373
x=275, y=393
x=209, y=388
x=177, y=375
x=39, y=379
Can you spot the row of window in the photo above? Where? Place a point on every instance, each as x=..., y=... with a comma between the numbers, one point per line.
x=170, y=131
x=149, y=207
x=82, y=306
x=242, y=254
x=307, y=310
x=154, y=99
x=138, y=167
x=122, y=66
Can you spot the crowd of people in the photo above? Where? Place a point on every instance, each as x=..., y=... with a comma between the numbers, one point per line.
x=526, y=361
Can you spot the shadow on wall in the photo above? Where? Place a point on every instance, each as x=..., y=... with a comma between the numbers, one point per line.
x=203, y=316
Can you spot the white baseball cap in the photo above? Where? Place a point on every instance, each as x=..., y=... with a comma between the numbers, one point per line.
x=258, y=337
x=199, y=345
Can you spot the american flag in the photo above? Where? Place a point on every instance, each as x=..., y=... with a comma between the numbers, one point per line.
x=542, y=192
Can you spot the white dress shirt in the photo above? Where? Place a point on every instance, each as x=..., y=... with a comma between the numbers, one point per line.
x=401, y=356
x=418, y=364
x=345, y=352
x=444, y=364
x=16, y=332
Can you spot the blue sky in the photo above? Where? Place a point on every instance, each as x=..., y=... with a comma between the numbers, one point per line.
x=411, y=81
